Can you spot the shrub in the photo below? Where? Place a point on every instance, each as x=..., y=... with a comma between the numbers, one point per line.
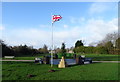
x=100, y=50
x=80, y=49
x=89, y=49
x=69, y=55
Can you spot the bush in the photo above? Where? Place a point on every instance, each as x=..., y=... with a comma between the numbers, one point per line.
x=89, y=49
x=24, y=50
x=80, y=49
x=116, y=51
x=100, y=50
x=6, y=50
x=69, y=55
x=59, y=55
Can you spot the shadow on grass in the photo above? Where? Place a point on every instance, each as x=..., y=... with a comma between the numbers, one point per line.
x=73, y=65
x=95, y=63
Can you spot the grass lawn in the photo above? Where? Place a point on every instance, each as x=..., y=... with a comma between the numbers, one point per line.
x=103, y=57
x=95, y=57
x=23, y=57
x=94, y=71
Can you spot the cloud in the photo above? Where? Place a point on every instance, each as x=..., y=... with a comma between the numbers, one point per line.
x=97, y=29
x=65, y=26
x=94, y=30
x=100, y=7
x=2, y=28
x=34, y=36
x=44, y=26
x=76, y=20
x=73, y=20
x=102, y=27
x=38, y=37
x=82, y=19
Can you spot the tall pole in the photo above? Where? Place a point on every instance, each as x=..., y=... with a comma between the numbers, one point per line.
x=54, y=18
x=52, y=48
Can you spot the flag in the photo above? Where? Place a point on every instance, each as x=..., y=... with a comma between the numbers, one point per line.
x=56, y=18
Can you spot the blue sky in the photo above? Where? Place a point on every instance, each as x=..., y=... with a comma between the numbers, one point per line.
x=30, y=22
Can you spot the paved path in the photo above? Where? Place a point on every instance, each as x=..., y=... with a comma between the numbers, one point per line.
x=107, y=61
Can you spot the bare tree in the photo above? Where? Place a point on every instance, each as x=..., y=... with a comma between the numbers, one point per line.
x=109, y=37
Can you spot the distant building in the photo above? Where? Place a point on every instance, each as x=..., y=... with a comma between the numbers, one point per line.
x=52, y=51
x=70, y=51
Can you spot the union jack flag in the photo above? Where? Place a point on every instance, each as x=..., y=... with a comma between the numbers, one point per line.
x=56, y=18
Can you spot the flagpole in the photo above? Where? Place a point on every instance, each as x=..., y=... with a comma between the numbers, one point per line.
x=54, y=18
x=52, y=48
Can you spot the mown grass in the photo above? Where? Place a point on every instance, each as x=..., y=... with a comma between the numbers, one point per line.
x=28, y=57
x=103, y=57
x=95, y=71
x=95, y=57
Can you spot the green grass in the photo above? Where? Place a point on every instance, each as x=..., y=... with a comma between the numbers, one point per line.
x=23, y=57
x=103, y=57
x=95, y=57
x=95, y=71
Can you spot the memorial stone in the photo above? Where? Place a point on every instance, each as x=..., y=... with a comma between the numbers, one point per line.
x=62, y=63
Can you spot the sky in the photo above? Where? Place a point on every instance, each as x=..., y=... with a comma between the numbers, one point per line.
x=30, y=22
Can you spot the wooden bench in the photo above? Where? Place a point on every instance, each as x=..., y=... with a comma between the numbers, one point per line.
x=9, y=56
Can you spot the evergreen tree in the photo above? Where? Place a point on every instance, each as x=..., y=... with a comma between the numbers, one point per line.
x=63, y=50
x=78, y=43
